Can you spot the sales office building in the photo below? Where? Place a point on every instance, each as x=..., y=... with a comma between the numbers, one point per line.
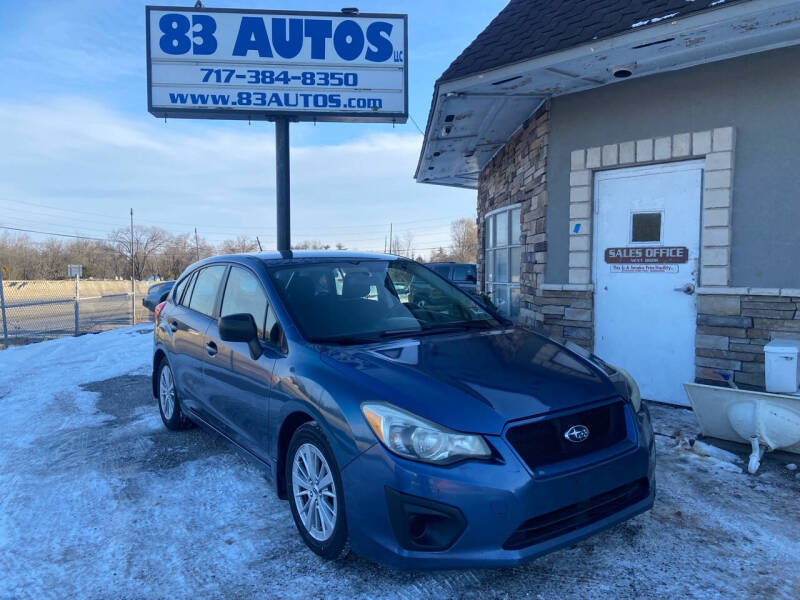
x=637, y=167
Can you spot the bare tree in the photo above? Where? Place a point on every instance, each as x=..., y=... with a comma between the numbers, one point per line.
x=148, y=242
x=464, y=234
x=240, y=245
x=311, y=245
x=403, y=245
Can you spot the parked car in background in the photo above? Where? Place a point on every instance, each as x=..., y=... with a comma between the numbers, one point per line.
x=156, y=294
x=464, y=275
x=423, y=434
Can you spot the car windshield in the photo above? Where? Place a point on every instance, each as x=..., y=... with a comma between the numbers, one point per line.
x=361, y=301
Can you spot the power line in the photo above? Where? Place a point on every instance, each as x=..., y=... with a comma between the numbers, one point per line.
x=78, y=237
x=235, y=230
x=415, y=124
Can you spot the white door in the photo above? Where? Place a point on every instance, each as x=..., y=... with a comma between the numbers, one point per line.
x=646, y=257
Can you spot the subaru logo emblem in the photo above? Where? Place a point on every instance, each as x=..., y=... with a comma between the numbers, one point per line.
x=577, y=434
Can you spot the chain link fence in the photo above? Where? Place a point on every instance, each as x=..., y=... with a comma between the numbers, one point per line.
x=34, y=311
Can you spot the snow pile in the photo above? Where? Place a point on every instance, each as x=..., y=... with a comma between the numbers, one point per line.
x=99, y=500
x=653, y=20
x=34, y=376
x=712, y=456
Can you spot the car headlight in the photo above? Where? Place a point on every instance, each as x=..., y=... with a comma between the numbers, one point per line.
x=413, y=437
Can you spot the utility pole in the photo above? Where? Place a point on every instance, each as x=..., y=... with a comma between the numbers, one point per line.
x=196, y=245
x=282, y=183
x=133, y=273
x=391, y=250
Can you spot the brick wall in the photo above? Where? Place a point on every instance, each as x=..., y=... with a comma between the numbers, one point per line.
x=732, y=331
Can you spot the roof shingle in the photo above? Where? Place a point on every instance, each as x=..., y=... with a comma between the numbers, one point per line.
x=538, y=27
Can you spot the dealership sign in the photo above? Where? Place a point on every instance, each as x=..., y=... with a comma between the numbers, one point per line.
x=248, y=64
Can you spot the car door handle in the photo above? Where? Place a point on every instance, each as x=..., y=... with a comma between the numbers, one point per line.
x=687, y=288
x=211, y=348
x=173, y=325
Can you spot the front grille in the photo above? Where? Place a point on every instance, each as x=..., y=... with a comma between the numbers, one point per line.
x=575, y=516
x=543, y=442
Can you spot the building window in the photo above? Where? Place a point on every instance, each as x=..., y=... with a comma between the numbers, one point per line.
x=646, y=227
x=503, y=258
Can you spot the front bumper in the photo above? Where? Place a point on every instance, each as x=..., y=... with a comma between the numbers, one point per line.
x=495, y=499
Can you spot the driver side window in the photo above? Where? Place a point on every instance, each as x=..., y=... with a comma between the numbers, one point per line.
x=244, y=294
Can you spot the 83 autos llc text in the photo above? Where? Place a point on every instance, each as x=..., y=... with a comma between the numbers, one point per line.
x=323, y=64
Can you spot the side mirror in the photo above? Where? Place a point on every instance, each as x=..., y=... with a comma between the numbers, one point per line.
x=240, y=328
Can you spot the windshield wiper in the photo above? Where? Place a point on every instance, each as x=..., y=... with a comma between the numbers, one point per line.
x=346, y=340
x=435, y=328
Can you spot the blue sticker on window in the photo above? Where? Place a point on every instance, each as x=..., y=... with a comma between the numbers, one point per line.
x=577, y=228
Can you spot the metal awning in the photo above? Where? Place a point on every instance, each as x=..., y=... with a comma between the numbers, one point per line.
x=473, y=117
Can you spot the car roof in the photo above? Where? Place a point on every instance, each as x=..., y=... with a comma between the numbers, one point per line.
x=297, y=257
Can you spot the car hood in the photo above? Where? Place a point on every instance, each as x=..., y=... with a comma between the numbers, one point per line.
x=476, y=381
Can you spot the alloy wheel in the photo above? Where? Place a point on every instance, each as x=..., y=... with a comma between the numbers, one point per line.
x=314, y=492
x=166, y=392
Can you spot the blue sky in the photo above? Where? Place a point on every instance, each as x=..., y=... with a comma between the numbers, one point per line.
x=80, y=149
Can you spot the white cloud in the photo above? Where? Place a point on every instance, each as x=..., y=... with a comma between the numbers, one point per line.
x=83, y=156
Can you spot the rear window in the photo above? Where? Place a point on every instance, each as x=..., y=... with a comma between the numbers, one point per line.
x=204, y=294
x=443, y=270
x=465, y=273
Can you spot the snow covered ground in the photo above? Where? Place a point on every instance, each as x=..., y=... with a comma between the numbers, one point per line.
x=98, y=500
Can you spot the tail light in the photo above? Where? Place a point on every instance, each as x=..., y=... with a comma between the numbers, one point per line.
x=159, y=308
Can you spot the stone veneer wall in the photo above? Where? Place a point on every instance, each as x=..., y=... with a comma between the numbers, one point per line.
x=732, y=330
x=567, y=315
x=518, y=175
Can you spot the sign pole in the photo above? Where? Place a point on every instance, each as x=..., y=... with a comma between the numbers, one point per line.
x=133, y=275
x=282, y=183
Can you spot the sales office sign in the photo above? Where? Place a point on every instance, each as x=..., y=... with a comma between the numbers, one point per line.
x=651, y=259
x=248, y=64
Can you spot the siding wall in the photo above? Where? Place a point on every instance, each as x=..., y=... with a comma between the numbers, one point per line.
x=757, y=95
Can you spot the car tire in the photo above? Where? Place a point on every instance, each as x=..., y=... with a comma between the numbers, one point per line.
x=314, y=488
x=168, y=404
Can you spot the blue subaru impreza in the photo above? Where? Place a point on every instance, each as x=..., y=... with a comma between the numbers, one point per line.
x=399, y=415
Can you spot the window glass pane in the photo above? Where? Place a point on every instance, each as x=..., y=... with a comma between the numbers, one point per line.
x=205, y=289
x=514, y=304
x=369, y=306
x=502, y=228
x=500, y=298
x=443, y=270
x=490, y=232
x=501, y=266
x=271, y=330
x=489, y=266
x=189, y=288
x=516, y=231
x=646, y=227
x=180, y=287
x=514, y=268
x=244, y=294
